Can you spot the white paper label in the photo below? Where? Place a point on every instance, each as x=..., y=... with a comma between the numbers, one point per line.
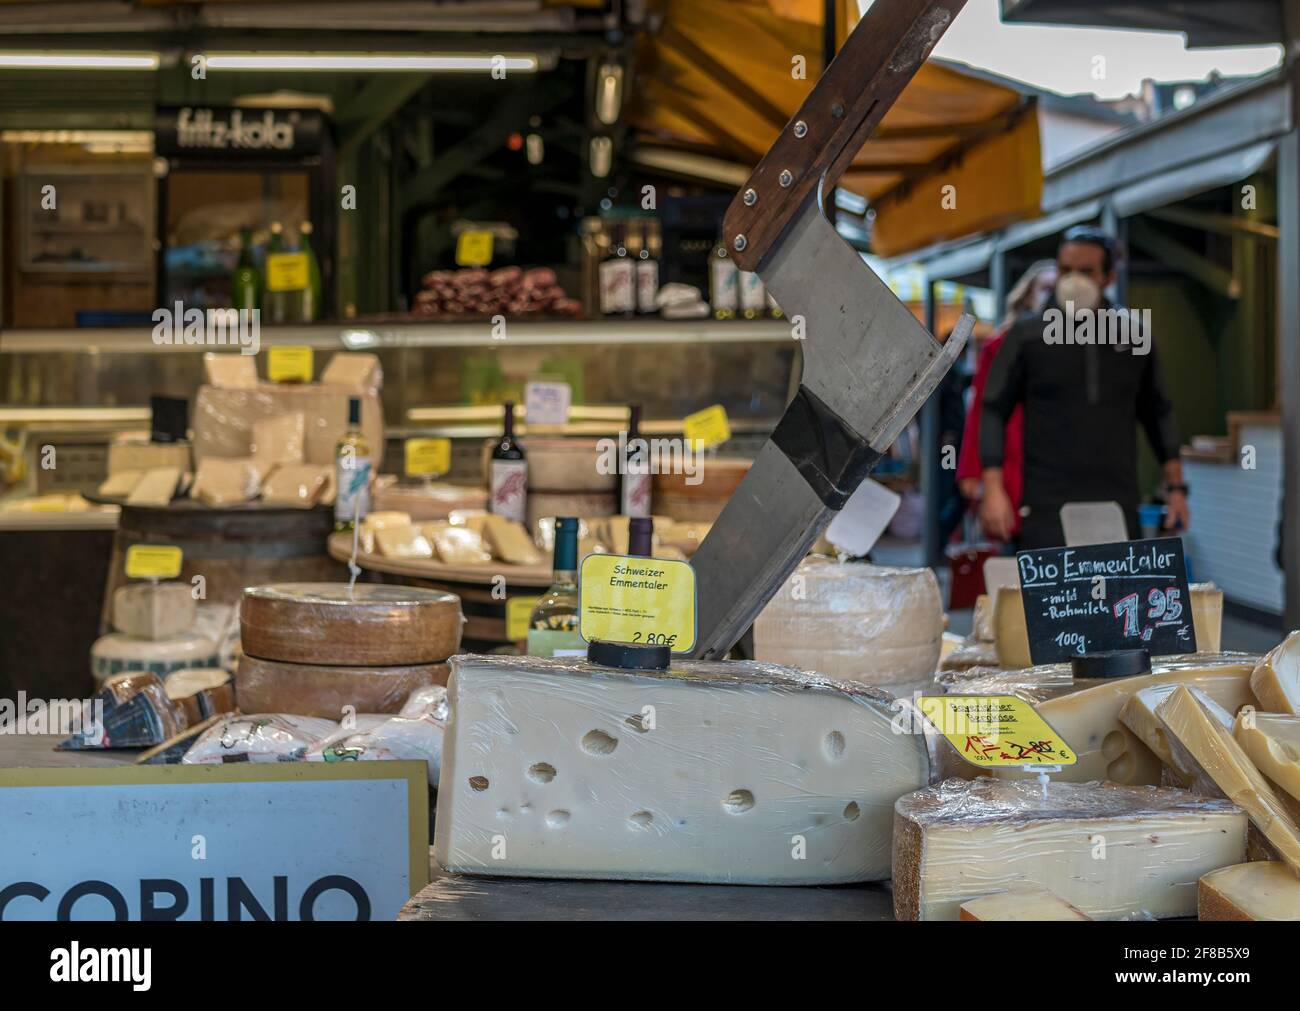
x=510, y=489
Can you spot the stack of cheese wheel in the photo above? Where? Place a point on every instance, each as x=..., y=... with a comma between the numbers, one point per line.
x=314, y=649
x=699, y=496
x=154, y=625
x=566, y=477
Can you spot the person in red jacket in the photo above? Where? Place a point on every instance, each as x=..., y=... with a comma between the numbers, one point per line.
x=1030, y=294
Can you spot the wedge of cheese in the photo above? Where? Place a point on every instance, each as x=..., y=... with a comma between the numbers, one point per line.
x=1255, y=891
x=1272, y=742
x=403, y=542
x=1139, y=715
x=1207, y=616
x=729, y=773
x=155, y=488
x=1034, y=904
x=1010, y=633
x=509, y=542
x=1107, y=749
x=1108, y=850
x=1276, y=681
x=459, y=546
x=1221, y=759
x=981, y=626
x=121, y=484
x=154, y=610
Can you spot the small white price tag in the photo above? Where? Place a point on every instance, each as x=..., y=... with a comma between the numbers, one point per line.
x=546, y=402
x=856, y=528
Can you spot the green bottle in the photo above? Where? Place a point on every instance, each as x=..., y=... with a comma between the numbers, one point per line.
x=553, y=625
x=314, y=297
x=276, y=302
x=245, y=284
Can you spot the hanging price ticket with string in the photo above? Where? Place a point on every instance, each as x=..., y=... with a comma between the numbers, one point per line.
x=640, y=600
x=994, y=731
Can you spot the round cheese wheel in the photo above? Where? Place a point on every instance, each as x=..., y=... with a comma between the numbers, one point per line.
x=308, y=689
x=369, y=624
x=117, y=653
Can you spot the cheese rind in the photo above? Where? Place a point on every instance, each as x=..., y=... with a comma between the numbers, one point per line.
x=738, y=772
x=1030, y=904
x=1264, y=890
x=369, y=624
x=153, y=610
x=1089, y=721
x=1217, y=755
x=860, y=622
x=1276, y=680
x=308, y=689
x=1272, y=742
x=1109, y=850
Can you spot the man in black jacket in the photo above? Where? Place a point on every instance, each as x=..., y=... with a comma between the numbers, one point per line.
x=1084, y=393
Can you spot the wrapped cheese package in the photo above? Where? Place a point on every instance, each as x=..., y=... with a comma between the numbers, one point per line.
x=268, y=737
x=854, y=621
x=1110, y=851
x=731, y=772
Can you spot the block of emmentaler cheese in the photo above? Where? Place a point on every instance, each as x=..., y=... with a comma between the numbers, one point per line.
x=153, y=610
x=312, y=689
x=868, y=623
x=1106, y=849
x=1264, y=890
x=1272, y=742
x=1276, y=681
x=1089, y=721
x=730, y=773
x=1034, y=904
x=368, y=624
x=1139, y=716
x=510, y=542
x=1221, y=759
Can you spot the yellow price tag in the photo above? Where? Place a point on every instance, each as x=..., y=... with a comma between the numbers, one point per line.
x=708, y=426
x=427, y=457
x=996, y=731
x=153, y=561
x=289, y=365
x=648, y=600
x=518, y=611
x=286, y=271
x=474, y=249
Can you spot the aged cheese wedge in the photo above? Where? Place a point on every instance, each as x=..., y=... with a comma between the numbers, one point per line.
x=1108, y=850
x=325, y=623
x=278, y=440
x=403, y=542
x=295, y=484
x=153, y=610
x=861, y=622
x=1035, y=904
x=982, y=619
x=1276, y=681
x=143, y=456
x=1207, y=616
x=473, y=519
x=459, y=546
x=309, y=689
x=379, y=521
x=1273, y=743
x=359, y=371
x=1222, y=760
x=509, y=542
x=737, y=773
x=121, y=484
x=1264, y=890
x=1089, y=719
x=155, y=488
x=1139, y=715
x=227, y=482
x=231, y=371
x=1010, y=633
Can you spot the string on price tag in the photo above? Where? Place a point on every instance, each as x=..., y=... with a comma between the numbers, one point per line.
x=153, y=561
x=639, y=600
x=289, y=364
x=707, y=428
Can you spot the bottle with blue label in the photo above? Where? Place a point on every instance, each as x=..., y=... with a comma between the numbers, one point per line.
x=353, y=468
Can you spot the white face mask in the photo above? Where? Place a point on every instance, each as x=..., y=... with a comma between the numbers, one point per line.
x=1079, y=289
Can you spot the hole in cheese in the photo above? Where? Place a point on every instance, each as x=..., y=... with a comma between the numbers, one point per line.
x=597, y=742
x=641, y=819
x=636, y=722
x=557, y=819
x=738, y=801
x=834, y=745
x=852, y=811
x=541, y=772
x=478, y=783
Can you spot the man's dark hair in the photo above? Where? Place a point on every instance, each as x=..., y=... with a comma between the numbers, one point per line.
x=1093, y=236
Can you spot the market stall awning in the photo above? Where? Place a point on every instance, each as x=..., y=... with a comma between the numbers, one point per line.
x=722, y=77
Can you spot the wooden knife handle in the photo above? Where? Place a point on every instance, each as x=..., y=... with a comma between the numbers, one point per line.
x=866, y=77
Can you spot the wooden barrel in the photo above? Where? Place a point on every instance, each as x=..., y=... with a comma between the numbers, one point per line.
x=229, y=548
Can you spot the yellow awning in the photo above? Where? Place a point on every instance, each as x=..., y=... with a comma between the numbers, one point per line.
x=722, y=77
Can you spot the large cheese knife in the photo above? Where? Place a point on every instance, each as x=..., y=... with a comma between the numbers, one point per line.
x=868, y=365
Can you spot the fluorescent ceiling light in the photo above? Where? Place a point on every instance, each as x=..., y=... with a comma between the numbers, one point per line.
x=482, y=62
x=77, y=61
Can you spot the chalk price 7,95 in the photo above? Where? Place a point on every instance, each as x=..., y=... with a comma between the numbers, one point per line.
x=1165, y=607
x=655, y=639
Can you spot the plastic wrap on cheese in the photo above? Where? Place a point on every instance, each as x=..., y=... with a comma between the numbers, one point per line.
x=735, y=772
x=854, y=621
x=1111, y=851
x=970, y=653
x=268, y=737
x=416, y=737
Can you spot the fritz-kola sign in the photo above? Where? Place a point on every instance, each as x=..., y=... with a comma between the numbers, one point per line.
x=196, y=131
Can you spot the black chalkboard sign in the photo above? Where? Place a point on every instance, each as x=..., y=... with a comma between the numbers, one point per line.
x=1128, y=595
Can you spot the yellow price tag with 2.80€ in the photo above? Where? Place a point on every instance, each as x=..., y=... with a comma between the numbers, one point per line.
x=289, y=364
x=994, y=731
x=153, y=561
x=427, y=457
x=708, y=426
x=641, y=600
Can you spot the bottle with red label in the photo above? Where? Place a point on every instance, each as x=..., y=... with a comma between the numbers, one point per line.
x=508, y=477
x=634, y=480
